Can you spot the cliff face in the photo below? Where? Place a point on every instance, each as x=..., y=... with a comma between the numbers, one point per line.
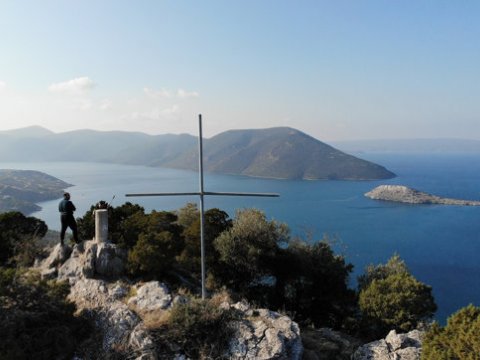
x=403, y=194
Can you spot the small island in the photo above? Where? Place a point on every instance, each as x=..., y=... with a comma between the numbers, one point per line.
x=20, y=190
x=404, y=194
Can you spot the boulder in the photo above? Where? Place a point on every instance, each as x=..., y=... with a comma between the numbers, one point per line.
x=110, y=260
x=57, y=257
x=121, y=327
x=264, y=334
x=395, y=346
x=151, y=296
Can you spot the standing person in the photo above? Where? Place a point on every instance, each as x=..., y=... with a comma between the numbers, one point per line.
x=66, y=209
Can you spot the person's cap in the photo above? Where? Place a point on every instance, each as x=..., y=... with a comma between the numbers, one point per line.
x=65, y=195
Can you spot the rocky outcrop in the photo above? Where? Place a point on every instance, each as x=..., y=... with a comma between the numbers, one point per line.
x=394, y=347
x=151, y=296
x=400, y=193
x=86, y=260
x=121, y=327
x=93, y=272
x=264, y=334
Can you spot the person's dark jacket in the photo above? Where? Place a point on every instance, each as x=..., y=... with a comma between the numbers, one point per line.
x=66, y=207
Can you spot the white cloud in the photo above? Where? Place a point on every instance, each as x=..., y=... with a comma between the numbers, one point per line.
x=168, y=94
x=75, y=86
x=186, y=94
x=155, y=94
x=3, y=85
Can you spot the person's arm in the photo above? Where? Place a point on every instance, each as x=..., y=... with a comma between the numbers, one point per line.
x=71, y=207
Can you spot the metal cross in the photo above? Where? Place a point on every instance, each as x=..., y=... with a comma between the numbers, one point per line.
x=201, y=195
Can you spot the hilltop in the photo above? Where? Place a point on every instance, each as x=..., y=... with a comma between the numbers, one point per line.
x=281, y=152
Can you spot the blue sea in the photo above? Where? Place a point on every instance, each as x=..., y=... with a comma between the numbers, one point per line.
x=440, y=244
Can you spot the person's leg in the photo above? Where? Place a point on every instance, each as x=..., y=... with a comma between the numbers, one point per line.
x=73, y=226
x=64, y=228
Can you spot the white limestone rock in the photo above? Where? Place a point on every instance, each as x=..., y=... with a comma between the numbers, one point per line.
x=395, y=347
x=151, y=296
x=57, y=257
x=110, y=260
x=264, y=334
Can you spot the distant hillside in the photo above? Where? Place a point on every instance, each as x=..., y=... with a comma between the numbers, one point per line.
x=283, y=153
x=21, y=189
x=94, y=146
x=411, y=146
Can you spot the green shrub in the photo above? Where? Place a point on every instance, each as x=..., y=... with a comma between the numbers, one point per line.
x=312, y=283
x=216, y=221
x=398, y=301
x=17, y=236
x=199, y=328
x=153, y=255
x=458, y=340
x=247, y=250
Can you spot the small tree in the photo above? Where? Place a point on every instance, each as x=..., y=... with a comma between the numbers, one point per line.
x=248, y=249
x=312, y=283
x=391, y=298
x=395, y=265
x=459, y=340
x=152, y=255
x=216, y=222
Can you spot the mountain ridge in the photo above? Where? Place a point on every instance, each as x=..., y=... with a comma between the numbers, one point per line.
x=279, y=152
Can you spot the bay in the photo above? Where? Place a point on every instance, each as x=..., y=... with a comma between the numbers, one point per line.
x=440, y=244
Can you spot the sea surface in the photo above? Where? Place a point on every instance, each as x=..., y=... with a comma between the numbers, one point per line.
x=440, y=244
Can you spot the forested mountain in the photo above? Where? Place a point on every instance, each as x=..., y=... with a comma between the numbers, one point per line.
x=281, y=152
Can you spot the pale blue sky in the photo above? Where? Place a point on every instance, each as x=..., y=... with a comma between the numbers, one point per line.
x=334, y=69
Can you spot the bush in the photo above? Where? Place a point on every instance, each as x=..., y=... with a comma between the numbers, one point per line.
x=247, y=250
x=153, y=255
x=395, y=265
x=17, y=236
x=199, y=328
x=458, y=340
x=36, y=322
x=394, y=300
x=312, y=284
x=216, y=221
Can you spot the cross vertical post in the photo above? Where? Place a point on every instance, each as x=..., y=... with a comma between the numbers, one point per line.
x=202, y=217
x=201, y=195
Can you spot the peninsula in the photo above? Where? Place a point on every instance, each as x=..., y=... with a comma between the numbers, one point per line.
x=20, y=190
x=404, y=194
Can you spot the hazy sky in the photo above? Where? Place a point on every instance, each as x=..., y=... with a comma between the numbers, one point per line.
x=334, y=69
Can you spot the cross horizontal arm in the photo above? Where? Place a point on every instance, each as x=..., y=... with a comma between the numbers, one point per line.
x=165, y=194
x=207, y=193
x=241, y=194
